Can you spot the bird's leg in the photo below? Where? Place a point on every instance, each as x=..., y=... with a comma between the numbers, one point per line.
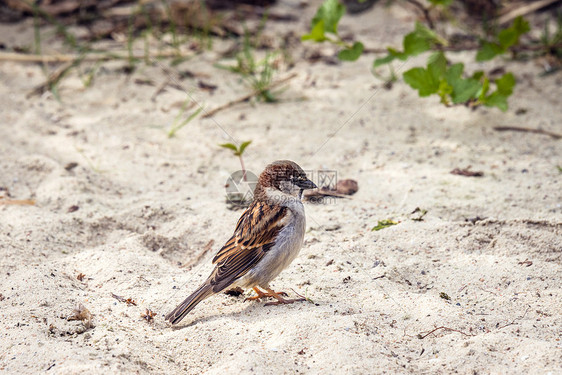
x=281, y=300
x=261, y=294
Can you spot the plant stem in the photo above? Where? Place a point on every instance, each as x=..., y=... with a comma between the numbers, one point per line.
x=243, y=168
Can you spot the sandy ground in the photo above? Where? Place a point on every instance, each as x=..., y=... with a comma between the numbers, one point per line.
x=139, y=206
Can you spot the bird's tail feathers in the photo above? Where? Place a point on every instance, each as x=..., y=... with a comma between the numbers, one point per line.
x=189, y=303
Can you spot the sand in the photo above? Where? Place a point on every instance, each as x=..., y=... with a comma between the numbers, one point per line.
x=474, y=287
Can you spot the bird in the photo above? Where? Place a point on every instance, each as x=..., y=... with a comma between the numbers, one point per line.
x=267, y=238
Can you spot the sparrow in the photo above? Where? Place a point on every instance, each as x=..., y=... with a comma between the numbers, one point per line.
x=267, y=238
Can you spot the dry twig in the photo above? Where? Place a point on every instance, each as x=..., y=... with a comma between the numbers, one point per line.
x=526, y=8
x=422, y=336
x=46, y=59
x=128, y=301
x=527, y=130
x=23, y=202
x=245, y=98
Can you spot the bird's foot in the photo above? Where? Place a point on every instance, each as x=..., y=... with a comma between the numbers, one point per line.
x=269, y=294
x=281, y=300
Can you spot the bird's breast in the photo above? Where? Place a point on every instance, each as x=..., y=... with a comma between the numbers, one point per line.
x=287, y=246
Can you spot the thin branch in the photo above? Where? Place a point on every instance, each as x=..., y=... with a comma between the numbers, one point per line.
x=423, y=336
x=527, y=130
x=24, y=57
x=53, y=78
x=519, y=318
x=245, y=98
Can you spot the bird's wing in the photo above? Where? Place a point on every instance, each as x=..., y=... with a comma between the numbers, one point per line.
x=254, y=235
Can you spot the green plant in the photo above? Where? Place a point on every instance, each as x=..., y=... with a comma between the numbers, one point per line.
x=238, y=151
x=324, y=27
x=505, y=39
x=448, y=82
x=439, y=77
x=257, y=73
x=180, y=121
x=88, y=76
x=384, y=224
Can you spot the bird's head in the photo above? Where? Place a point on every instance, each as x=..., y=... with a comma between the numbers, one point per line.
x=282, y=179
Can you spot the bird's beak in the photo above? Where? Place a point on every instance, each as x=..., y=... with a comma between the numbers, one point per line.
x=306, y=184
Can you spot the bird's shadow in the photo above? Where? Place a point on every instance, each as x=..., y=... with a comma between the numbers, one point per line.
x=246, y=314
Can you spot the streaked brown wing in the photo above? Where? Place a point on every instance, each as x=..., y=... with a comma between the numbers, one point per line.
x=254, y=235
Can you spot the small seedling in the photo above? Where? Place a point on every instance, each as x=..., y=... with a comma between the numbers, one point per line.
x=384, y=224
x=444, y=296
x=238, y=151
x=421, y=212
x=180, y=122
x=257, y=73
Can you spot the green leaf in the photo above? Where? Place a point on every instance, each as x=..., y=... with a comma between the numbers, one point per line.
x=316, y=33
x=496, y=100
x=510, y=36
x=488, y=51
x=521, y=25
x=454, y=72
x=418, y=41
x=384, y=224
x=499, y=97
x=421, y=80
x=478, y=75
x=414, y=44
x=230, y=146
x=383, y=60
x=505, y=84
x=481, y=94
x=424, y=31
x=464, y=90
x=243, y=146
x=507, y=38
x=437, y=65
x=330, y=13
x=353, y=53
